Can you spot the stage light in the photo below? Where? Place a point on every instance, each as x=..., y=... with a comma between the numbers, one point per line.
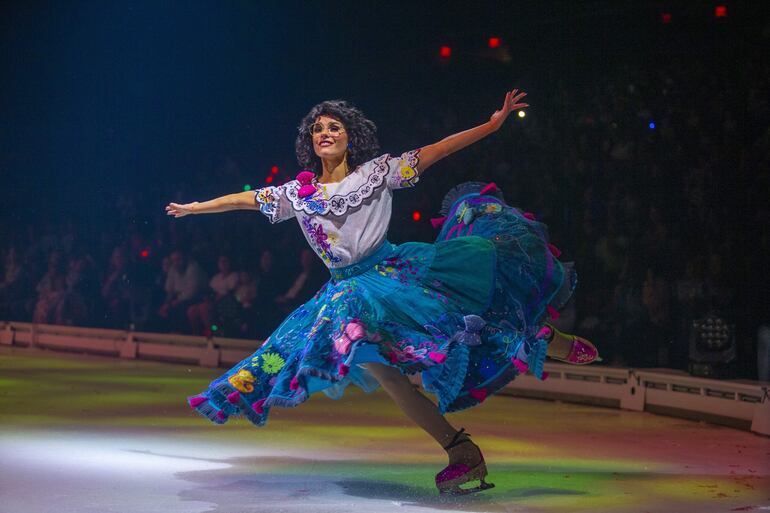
x=494, y=42
x=522, y=114
x=247, y=187
x=274, y=170
x=720, y=11
x=214, y=327
x=269, y=179
x=712, y=346
x=416, y=215
x=144, y=253
x=445, y=52
x=665, y=18
x=651, y=125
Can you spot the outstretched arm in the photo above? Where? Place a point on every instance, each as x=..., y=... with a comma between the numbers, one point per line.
x=432, y=153
x=238, y=201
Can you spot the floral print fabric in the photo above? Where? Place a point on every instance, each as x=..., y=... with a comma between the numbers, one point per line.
x=346, y=221
x=419, y=307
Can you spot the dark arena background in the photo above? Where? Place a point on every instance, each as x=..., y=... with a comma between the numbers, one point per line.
x=645, y=149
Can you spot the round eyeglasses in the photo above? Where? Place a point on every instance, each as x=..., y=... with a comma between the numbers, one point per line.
x=334, y=129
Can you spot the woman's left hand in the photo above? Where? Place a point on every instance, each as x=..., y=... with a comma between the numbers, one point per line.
x=511, y=103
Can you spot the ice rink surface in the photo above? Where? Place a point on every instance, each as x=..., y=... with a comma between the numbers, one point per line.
x=91, y=434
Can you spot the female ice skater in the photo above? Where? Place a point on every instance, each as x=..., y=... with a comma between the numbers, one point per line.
x=467, y=312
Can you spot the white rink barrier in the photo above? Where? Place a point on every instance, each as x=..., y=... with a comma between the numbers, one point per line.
x=742, y=404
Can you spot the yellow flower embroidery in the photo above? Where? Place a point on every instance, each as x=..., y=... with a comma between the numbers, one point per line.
x=407, y=173
x=243, y=381
x=265, y=196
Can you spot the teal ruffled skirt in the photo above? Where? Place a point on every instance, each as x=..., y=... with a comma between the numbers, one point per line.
x=463, y=311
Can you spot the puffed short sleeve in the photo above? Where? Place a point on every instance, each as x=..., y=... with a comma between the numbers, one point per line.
x=403, y=171
x=273, y=203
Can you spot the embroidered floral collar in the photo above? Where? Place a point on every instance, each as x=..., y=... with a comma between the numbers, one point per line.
x=338, y=204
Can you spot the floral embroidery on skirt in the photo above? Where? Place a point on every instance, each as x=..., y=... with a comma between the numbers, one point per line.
x=462, y=311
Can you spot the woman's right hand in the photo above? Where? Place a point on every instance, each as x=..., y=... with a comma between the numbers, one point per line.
x=180, y=210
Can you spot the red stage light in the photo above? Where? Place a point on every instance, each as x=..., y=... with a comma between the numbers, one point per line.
x=274, y=170
x=416, y=215
x=445, y=52
x=269, y=179
x=494, y=42
x=665, y=17
x=144, y=253
x=720, y=11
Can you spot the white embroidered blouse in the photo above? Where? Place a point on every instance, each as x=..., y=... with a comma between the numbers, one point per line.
x=346, y=221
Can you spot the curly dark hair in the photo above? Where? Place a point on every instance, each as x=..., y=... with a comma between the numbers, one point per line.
x=362, y=135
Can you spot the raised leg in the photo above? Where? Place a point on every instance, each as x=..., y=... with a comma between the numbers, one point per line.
x=559, y=346
x=569, y=348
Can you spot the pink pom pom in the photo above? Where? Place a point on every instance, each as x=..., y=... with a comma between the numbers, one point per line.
x=257, y=406
x=530, y=216
x=343, y=370
x=306, y=190
x=490, y=187
x=233, y=398
x=437, y=357
x=342, y=344
x=305, y=177
x=521, y=366
x=196, y=401
x=554, y=250
x=221, y=415
x=479, y=394
x=544, y=333
x=437, y=222
x=553, y=312
x=355, y=330
x=294, y=384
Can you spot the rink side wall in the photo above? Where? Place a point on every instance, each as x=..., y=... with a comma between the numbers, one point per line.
x=742, y=404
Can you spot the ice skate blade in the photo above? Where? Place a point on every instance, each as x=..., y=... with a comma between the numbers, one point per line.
x=457, y=491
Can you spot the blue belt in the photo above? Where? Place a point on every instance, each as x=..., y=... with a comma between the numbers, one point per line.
x=360, y=267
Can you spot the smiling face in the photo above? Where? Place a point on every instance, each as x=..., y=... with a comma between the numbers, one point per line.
x=330, y=139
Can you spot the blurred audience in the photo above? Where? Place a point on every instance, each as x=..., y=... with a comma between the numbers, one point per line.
x=116, y=290
x=50, y=290
x=653, y=179
x=185, y=284
x=222, y=284
x=16, y=287
x=305, y=284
